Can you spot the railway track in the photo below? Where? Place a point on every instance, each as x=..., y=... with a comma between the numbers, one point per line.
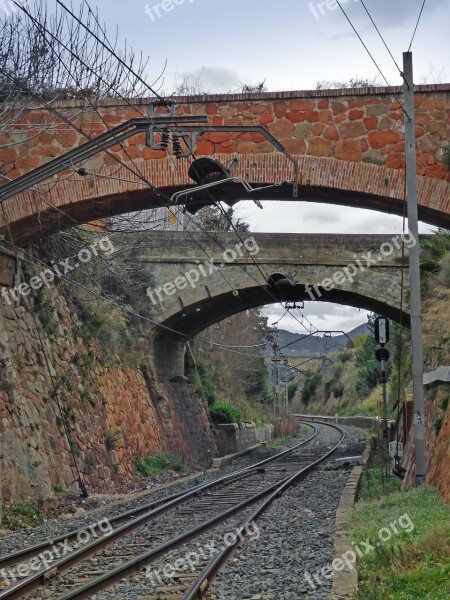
x=162, y=529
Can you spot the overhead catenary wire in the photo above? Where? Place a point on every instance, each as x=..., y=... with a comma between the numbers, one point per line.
x=381, y=36
x=138, y=174
x=417, y=25
x=371, y=56
x=116, y=56
x=33, y=260
x=260, y=268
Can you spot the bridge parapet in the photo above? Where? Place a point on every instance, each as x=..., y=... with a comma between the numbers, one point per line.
x=349, y=143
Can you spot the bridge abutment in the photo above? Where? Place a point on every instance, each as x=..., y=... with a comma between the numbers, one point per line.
x=170, y=354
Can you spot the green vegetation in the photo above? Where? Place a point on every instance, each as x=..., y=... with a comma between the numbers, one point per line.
x=414, y=563
x=436, y=249
x=207, y=378
x=221, y=412
x=111, y=438
x=159, y=464
x=85, y=361
x=45, y=308
x=446, y=155
x=86, y=395
x=368, y=369
x=310, y=386
x=377, y=479
x=304, y=431
x=437, y=424
x=111, y=329
x=203, y=379
x=27, y=515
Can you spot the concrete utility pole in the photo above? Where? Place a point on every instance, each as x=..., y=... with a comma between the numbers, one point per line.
x=276, y=361
x=414, y=271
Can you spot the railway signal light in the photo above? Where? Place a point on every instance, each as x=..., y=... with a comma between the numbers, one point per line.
x=381, y=330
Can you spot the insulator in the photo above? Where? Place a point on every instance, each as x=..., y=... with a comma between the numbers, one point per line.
x=176, y=145
x=165, y=139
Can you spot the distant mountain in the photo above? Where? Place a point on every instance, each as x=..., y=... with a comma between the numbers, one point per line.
x=301, y=345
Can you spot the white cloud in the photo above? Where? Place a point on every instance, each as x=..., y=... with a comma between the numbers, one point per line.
x=323, y=316
x=308, y=217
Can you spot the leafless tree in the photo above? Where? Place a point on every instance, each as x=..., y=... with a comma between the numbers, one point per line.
x=353, y=82
x=51, y=56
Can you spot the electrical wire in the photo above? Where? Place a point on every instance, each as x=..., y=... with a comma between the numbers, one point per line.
x=116, y=56
x=417, y=25
x=96, y=110
x=382, y=38
x=33, y=260
x=260, y=268
x=372, y=58
x=139, y=172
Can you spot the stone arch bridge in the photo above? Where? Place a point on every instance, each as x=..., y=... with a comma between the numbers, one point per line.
x=349, y=146
x=196, y=281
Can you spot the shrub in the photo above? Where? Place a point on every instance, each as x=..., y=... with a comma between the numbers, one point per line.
x=202, y=378
x=344, y=355
x=292, y=388
x=111, y=438
x=152, y=466
x=310, y=387
x=338, y=390
x=444, y=403
x=437, y=425
x=338, y=369
x=24, y=509
x=220, y=412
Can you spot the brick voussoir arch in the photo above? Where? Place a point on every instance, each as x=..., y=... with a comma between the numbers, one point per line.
x=321, y=180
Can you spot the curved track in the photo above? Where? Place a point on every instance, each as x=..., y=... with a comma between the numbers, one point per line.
x=175, y=521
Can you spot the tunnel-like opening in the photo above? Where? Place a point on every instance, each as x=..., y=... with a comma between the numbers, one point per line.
x=170, y=347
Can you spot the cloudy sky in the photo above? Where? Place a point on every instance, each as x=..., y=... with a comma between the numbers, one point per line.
x=291, y=44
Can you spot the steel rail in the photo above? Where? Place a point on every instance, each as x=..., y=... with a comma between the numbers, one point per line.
x=134, y=565
x=211, y=569
x=25, y=586
x=23, y=554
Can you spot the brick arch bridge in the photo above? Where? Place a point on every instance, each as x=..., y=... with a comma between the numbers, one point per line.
x=184, y=293
x=349, y=145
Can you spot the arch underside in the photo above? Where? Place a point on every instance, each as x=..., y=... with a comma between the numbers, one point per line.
x=86, y=210
x=195, y=318
x=169, y=347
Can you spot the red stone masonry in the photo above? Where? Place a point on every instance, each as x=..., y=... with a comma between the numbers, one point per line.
x=351, y=140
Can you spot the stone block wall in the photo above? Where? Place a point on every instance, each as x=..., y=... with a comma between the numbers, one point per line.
x=114, y=414
x=437, y=442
